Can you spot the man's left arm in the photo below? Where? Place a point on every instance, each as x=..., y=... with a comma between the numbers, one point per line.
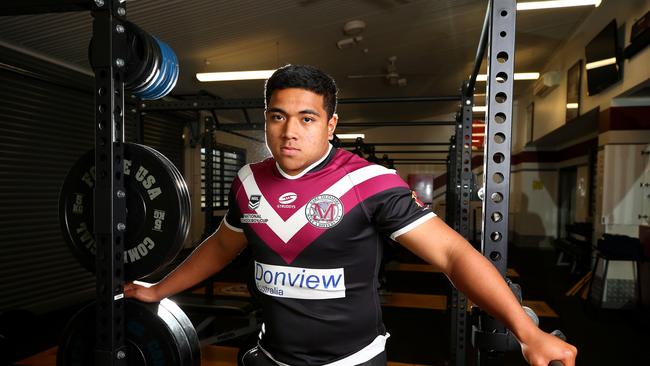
x=472, y=274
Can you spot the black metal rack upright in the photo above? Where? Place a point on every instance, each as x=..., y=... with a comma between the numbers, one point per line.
x=209, y=145
x=498, y=37
x=109, y=54
x=496, y=163
x=459, y=180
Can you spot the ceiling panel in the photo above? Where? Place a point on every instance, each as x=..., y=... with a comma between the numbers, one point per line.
x=434, y=40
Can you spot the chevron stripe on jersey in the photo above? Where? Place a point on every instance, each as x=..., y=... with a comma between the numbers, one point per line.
x=288, y=237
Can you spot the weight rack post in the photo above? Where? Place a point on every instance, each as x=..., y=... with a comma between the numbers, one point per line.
x=109, y=51
x=463, y=177
x=208, y=145
x=496, y=162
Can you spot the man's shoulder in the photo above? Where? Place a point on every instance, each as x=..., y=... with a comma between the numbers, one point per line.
x=365, y=175
x=348, y=161
x=254, y=168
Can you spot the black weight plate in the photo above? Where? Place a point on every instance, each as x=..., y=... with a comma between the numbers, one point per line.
x=154, y=57
x=155, y=228
x=138, y=57
x=180, y=181
x=165, y=313
x=186, y=208
x=186, y=213
x=154, y=73
x=153, y=336
x=188, y=328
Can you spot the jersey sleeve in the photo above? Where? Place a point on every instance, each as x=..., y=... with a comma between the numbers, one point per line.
x=397, y=211
x=232, y=220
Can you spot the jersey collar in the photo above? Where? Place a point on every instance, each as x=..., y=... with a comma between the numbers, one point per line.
x=308, y=169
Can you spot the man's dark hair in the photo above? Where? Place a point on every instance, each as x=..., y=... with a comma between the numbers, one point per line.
x=304, y=77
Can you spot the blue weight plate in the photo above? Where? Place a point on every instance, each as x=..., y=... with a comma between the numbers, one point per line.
x=159, y=83
x=172, y=78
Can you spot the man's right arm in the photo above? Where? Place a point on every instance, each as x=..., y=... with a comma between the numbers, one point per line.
x=207, y=259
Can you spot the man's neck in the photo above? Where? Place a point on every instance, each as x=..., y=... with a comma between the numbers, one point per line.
x=307, y=169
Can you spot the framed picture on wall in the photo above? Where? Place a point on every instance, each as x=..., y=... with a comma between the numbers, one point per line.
x=574, y=78
x=530, y=122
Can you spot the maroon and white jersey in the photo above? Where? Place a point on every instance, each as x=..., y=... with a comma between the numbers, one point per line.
x=316, y=243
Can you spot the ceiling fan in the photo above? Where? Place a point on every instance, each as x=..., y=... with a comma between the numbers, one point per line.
x=391, y=75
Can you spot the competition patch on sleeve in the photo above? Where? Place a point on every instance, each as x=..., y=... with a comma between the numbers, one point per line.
x=416, y=199
x=299, y=283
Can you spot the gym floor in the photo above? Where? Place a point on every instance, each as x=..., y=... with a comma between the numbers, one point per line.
x=414, y=312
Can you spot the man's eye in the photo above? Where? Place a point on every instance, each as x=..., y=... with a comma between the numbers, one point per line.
x=307, y=119
x=276, y=117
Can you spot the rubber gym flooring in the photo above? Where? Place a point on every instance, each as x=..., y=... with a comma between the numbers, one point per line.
x=414, y=306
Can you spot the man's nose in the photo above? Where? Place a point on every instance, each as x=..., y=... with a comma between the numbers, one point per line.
x=290, y=130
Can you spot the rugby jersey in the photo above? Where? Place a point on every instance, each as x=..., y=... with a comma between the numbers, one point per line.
x=316, y=241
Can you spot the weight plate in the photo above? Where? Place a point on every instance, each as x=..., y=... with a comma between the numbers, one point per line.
x=139, y=58
x=158, y=83
x=154, y=74
x=171, y=75
x=163, y=81
x=155, y=334
x=152, y=66
x=186, y=210
x=157, y=216
x=188, y=328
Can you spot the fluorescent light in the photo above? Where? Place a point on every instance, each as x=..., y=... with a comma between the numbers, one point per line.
x=551, y=4
x=234, y=75
x=518, y=76
x=479, y=108
x=572, y=106
x=478, y=134
x=526, y=75
x=478, y=125
x=600, y=63
x=350, y=136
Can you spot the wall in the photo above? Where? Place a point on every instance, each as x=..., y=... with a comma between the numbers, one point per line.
x=533, y=197
x=550, y=110
x=549, y=114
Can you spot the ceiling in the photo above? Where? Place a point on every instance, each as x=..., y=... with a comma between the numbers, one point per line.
x=435, y=43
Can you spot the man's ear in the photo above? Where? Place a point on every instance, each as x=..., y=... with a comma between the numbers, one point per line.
x=331, y=126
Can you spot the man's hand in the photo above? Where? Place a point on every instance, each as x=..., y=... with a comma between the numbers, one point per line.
x=145, y=292
x=541, y=348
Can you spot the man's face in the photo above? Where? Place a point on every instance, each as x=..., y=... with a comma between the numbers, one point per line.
x=297, y=128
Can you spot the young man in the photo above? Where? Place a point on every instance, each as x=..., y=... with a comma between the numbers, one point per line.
x=314, y=217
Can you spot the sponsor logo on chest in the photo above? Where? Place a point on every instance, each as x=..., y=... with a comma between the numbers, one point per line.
x=285, y=200
x=299, y=283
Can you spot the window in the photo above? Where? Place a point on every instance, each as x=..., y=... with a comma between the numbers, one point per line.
x=227, y=160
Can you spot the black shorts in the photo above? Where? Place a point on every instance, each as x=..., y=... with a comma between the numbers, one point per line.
x=255, y=357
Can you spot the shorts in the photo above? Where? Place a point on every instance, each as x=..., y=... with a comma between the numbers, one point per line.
x=255, y=357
